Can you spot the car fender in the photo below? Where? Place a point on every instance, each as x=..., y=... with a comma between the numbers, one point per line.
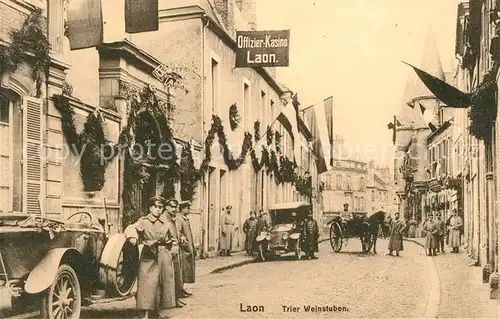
x=44, y=273
x=260, y=238
x=295, y=236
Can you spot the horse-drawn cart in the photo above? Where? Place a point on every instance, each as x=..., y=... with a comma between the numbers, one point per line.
x=359, y=226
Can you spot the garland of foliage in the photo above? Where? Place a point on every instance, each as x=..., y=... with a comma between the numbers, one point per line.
x=256, y=130
x=189, y=175
x=483, y=111
x=234, y=117
x=277, y=141
x=30, y=38
x=269, y=135
x=284, y=172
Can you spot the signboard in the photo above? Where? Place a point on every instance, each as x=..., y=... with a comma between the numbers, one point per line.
x=262, y=48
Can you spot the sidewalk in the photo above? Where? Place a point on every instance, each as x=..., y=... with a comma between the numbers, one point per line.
x=462, y=292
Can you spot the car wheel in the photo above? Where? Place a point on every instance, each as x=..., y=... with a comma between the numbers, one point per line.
x=262, y=255
x=63, y=299
x=298, y=250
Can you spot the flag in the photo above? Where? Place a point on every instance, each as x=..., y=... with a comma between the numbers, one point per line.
x=141, y=16
x=288, y=118
x=85, y=26
x=428, y=117
x=448, y=94
x=392, y=126
x=317, y=117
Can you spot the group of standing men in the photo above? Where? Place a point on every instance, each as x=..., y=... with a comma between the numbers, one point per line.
x=168, y=256
x=252, y=227
x=435, y=230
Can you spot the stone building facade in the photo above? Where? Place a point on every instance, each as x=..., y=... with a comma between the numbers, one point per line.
x=196, y=40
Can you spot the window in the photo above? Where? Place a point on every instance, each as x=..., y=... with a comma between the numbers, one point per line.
x=5, y=155
x=11, y=183
x=361, y=183
x=215, y=86
x=247, y=111
x=349, y=185
x=339, y=182
x=263, y=116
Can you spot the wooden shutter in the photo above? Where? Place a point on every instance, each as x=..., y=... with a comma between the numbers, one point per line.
x=32, y=154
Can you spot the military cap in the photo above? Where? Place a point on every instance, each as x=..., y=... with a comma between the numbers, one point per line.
x=153, y=200
x=184, y=203
x=172, y=201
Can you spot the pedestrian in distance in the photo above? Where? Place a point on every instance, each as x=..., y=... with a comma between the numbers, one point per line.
x=188, y=251
x=310, y=236
x=250, y=230
x=396, y=235
x=440, y=233
x=155, y=281
x=430, y=229
x=455, y=231
x=171, y=210
x=227, y=229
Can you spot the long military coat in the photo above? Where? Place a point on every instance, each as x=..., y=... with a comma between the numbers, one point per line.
x=396, y=236
x=250, y=230
x=455, y=225
x=188, y=251
x=155, y=285
x=176, y=224
x=430, y=230
x=310, y=236
x=227, y=227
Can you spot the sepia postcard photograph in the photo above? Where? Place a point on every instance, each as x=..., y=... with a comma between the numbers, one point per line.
x=249, y=159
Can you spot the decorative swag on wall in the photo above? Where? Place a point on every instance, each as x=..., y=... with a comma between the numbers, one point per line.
x=30, y=38
x=99, y=151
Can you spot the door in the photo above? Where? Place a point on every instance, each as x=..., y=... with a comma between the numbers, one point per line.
x=213, y=242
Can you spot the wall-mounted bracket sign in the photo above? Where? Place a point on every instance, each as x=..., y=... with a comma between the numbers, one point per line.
x=262, y=48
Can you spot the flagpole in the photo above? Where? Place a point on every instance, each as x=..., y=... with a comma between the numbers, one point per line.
x=265, y=134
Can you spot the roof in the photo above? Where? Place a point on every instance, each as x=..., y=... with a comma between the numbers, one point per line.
x=289, y=205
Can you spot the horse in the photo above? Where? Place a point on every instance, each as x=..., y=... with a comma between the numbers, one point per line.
x=369, y=229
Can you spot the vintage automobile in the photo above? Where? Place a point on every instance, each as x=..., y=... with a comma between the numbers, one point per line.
x=59, y=266
x=284, y=233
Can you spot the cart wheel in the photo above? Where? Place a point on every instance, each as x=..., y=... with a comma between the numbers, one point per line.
x=336, y=237
x=298, y=250
x=262, y=255
x=63, y=299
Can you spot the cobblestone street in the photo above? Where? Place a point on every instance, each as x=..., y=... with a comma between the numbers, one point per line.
x=368, y=286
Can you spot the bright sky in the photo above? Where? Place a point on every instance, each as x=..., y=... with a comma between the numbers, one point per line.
x=352, y=49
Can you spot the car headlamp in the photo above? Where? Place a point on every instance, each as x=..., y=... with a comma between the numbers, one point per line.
x=268, y=237
x=285, y=236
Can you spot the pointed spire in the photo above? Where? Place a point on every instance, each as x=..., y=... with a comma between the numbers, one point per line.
x=415, y=88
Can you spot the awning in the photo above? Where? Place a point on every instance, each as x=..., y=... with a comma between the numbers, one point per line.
x=446, y=93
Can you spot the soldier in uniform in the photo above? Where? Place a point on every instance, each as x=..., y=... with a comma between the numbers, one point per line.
x=310, y=236
x=155, y=284
x=171, y=216
x=440, y=232
x=345, y=216
x=227, y=227
x=250, y=230
x=429, y=229
x=455, y=231
x=188, y=251
x=262, y=223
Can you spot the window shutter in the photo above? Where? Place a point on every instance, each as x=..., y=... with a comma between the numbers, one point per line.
x=32, y=154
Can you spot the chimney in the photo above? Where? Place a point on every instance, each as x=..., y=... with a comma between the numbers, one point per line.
x=225, y=9
x=248, y=12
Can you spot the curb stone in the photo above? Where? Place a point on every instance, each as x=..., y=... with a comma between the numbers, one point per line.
x=231, y=266
x=413, y=241
x=244, y=262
